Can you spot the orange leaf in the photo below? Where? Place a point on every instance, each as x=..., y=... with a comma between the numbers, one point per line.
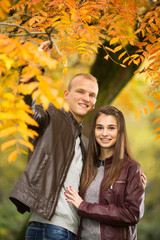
x=145, y=111
x=138, y=112
x=157, y=120
x=151, y=105
x=157, y=130
x=156, y=95
x=157, y=137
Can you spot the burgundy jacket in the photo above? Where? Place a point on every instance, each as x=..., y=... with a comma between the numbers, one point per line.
x=120, y=207
x=39, y=186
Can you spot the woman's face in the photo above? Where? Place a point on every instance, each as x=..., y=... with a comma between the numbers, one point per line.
x=106, y=131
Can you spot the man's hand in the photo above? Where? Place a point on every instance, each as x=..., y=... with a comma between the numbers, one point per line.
x=46, y=47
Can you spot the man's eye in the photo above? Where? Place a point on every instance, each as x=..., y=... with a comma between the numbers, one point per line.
x=92, y=95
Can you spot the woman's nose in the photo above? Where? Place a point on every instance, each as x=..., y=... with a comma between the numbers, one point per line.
x=105, y=132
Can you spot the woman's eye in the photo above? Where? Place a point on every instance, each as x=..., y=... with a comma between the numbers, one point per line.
x=99, y=128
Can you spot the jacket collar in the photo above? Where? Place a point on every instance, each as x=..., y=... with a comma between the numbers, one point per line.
x=106, y=161
x=72, y=120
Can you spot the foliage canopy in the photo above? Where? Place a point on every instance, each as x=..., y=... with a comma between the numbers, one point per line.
x=72, y=26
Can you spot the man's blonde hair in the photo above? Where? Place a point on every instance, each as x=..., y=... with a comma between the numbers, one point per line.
x=82, y=75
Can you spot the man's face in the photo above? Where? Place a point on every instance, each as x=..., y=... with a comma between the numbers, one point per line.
x=81, y=98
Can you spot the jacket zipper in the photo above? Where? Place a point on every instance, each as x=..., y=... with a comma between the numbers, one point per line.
x=99, y=199
x=125, y=233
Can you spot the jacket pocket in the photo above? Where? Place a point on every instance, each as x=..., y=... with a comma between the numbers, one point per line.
x=40, y=169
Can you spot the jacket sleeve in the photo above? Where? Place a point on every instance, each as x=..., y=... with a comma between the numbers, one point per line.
x=129, y=213
x=39, y=115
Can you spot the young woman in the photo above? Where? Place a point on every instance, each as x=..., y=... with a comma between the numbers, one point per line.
x=111, y=183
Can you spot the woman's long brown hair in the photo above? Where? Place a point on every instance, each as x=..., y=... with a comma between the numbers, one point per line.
x=121, y=151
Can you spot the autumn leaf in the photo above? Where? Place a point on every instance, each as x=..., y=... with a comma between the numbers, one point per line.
x=118, y=48
x=157, y=130
x=13, y=155
x=10, y=131
x=157, y=120
x=151, y=106
x=145, y=111
x=8, y=144
x=156, y=95
x=4, y=8
x=138, y=112
x=114, y=40
x=121, y=55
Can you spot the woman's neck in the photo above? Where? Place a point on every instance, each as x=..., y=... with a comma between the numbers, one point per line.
x=105, y=153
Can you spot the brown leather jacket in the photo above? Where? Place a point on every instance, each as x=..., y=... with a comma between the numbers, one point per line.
x=120, y=207
x=39, y=186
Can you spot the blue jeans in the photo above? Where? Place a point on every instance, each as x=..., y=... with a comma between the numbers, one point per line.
x=43, y=231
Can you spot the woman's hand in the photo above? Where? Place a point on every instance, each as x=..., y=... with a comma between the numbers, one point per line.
x=73, y=197
x=144, y=179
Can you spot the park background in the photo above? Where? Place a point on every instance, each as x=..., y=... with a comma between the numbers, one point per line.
x=119, y=87
x=144, y=148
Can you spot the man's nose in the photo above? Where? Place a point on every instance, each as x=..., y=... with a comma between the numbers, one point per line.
x=86, y=97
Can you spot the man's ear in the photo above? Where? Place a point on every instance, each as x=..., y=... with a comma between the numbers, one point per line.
x=66, y=92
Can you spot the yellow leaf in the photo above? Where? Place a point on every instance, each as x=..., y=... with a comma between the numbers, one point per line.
x=26, y=143
x=8, y=144
x=12, y=157
x=122, y=65
x=23, y=151
x=27, y=89
x=135, y=56
x=113, y=40
x=151, y=106
x=8, y=132
x=138, y=112
x=45, y=101
x=145, y=111
x=109, y=49
x=118, y=48
x=126, y=59
x=121, y=55
x=106, y=57
x=65, y=70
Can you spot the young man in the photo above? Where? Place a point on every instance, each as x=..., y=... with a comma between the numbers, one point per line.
x=55, y=163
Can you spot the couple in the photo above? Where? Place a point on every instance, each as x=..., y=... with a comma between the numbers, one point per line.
x=109, y=181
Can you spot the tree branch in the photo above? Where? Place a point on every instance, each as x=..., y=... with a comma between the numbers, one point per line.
x=15, y=25
x=30, y=34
